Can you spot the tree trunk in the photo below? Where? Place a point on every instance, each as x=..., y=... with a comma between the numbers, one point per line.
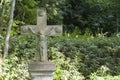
x=6, y=47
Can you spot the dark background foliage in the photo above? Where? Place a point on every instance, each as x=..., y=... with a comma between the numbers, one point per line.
x=89, y=41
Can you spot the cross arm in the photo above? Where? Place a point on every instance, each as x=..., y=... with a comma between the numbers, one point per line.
x=29, y=29
x=53, y=30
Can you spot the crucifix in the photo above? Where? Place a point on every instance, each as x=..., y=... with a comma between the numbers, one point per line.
x=41, y=30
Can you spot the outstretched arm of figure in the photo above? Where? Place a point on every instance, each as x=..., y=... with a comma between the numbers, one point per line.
x=29, y=29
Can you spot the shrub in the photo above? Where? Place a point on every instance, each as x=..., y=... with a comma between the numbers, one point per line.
x=101, y=74
x=91, y=52
x=66, y=70
x=76, y=57
x=13, y=69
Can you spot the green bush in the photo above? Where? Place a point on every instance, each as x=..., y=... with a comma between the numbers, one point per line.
x=1, y=45
x=101, y=74
x=91, y=52
x=76, y=57
x=66, y=70
x=13, y=69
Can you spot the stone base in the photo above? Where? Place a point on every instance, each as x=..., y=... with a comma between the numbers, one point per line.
x=42, y=70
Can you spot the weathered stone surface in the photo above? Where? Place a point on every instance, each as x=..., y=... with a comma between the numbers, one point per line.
x=42, y=70
x=41, y=30
x=42, y=66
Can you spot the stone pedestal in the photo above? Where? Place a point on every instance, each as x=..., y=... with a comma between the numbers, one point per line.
x=42, y=70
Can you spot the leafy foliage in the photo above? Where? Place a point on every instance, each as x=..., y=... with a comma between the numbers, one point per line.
x=101, y=74
x=89, y=53
x=66, y=70
x=76, y=56
x=80, y=57
x=12, y=69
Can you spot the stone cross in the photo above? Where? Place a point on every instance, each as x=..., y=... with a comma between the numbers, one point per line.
x=41, y=30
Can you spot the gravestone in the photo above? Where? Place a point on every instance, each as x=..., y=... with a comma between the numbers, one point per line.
x=42, y=69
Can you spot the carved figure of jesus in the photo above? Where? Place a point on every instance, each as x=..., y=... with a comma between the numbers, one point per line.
x=41, y=30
